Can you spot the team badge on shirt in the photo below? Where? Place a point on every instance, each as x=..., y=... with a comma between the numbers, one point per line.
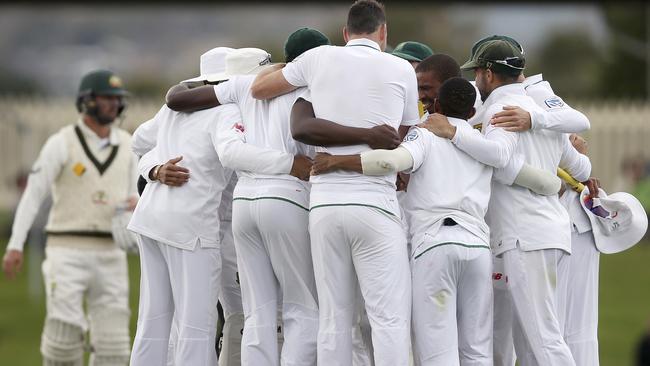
x=100, y=198
x=412, y=135
x=554, y=102
x=79, y=169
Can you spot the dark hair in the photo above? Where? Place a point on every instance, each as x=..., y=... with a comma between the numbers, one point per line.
x=457, y=97
x=443, y=66
x=506, y=74
x=365, y=16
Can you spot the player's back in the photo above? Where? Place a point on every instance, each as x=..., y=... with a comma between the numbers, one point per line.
x=359, y=86
x=445, y=182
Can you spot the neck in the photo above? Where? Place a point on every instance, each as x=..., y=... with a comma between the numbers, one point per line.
x=370, y=36
x=103, y=131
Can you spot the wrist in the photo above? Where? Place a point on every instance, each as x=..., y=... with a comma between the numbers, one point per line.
x=451, y=132
x=154, y=173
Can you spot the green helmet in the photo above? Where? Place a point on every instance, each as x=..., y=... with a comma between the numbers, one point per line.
x=303, y=40
x=510, y=40
x=412, y=51
x=99, y=82
x=496, y=54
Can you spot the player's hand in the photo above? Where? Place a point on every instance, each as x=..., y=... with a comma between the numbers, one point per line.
x=513, y=119
x=439, y=125
x=579, y=143
x=12, y=263
x=323, y=163
x=172, y=174
x=402, y=181
x=593, y=184
x=383, y=137
x=301, y=167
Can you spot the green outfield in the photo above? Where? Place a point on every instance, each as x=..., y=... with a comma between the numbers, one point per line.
x=624, y=310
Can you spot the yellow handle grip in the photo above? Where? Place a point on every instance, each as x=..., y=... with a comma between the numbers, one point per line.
x=566, y=177
x=420, y=108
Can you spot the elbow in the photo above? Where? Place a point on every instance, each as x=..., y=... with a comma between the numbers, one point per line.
x=549, y=187
x=173, y=103
x=227, y=158
x=258, y=91
x=301, y=134
x=500, y=163
x=584, y=123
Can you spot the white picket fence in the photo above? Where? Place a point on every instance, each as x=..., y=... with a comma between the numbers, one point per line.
x=618, y=130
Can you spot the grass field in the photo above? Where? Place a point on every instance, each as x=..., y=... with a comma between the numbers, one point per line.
x=624, y=310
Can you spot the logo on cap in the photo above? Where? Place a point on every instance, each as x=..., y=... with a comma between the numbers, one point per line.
x=115, y=81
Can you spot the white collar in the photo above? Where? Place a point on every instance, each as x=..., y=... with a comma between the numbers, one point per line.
x=532, y=80
x=515, y=88
x=364, y=42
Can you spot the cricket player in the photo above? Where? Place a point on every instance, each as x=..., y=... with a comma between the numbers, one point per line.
x=531, y=252
x=177, y=222
x=273, y=251
x=578, y=288
x=356, y=232
x=89, y=170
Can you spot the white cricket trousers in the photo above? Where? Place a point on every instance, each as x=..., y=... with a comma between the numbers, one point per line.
x=532, y=281
x=359, y=247
x=578, y=299
x=180, y=284
x=274, y=256
x=452, y=306
x=503, y=347
x=230, y=298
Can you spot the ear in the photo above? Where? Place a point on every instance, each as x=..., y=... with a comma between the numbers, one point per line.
x=436, y=106
x=471, y=113
x=346, y=35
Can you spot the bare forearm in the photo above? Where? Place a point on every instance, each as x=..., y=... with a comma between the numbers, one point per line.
x=350, y=163
x=321, y=132
x=181, y=99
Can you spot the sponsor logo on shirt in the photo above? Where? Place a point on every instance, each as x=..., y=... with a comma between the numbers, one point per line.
x=239, y=127
x=554, y=102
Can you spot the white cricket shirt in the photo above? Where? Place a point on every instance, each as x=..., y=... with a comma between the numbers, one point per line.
x=515, y=214
x=265, y=124
x=445, y=183
x=357, y=85
x=187, y=215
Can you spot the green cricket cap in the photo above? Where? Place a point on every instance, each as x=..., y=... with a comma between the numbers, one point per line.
x=303, y=40
x=496, y=54
x=412, y=51
x=102, y=82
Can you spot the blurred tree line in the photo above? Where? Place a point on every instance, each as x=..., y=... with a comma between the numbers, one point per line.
x=577, y=67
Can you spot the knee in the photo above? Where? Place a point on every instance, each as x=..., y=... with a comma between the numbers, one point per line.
x=62, y=341
x=109, y=337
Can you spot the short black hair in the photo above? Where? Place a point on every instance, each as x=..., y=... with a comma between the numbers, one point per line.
x=365, y=16
x=456, y=97
x=443, y=66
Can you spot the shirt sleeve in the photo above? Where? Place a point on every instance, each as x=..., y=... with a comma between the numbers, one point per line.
x=495, y=148
x=417, y=142
x=300, y=71
x=146, y=135
x=147, y=162
x=230, y=91
x=508, y=174
x=234, y=153
x=558, y=115
x=134, y=174
x=576, y=164
x=45, y=170
x=411, y=115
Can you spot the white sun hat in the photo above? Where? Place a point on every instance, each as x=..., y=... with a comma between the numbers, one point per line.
x=213, y=65
x=618, y=220
x=247, y=61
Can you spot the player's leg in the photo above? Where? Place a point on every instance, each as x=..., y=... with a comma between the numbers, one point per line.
x=378, y=245
x=108, y=309
x=503, y=346
x=537, y=336
x=434, y=325
x=195, y=279
x=362, y=352
x=475, y=301
x=336, y=283
x=156, y=308
x=65, y=278
x=230, y=298
x=284, y=227
x=259, y=288
x=578, y=308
